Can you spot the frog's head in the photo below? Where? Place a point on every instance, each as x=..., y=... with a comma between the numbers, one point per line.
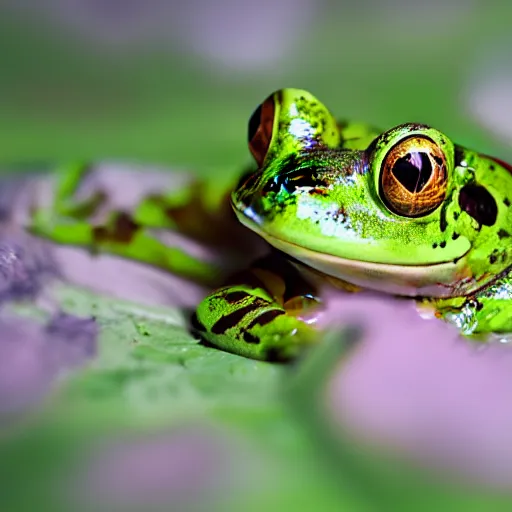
x=388, y=213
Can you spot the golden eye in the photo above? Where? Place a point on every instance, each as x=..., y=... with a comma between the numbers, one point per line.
x=260, y=129
x=413, y=177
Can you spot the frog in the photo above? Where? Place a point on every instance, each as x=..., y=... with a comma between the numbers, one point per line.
x=404, y=212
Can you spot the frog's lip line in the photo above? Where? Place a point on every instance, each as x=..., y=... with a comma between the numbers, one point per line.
x=369, y=265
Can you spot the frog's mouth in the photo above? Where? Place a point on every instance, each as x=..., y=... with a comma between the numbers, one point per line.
x=442, y=279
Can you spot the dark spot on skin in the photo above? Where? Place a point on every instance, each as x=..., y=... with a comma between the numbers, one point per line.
x=455, y=236
x=506, y=201
x=236, y=296
x=455, y=215
x=266, y=317
x=231, y=319
x=339, y=216
x=443, y=223
x=434, y=246
x=503, y=234
x=477, y=202
x=442, y=244
x=196, y=324
x=493, y=258
x=478, y=306
x=503, y=164
x=491, y=167
x=250, y=338
x=122, y=230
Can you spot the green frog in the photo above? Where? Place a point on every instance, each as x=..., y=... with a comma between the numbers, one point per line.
x=406, y=212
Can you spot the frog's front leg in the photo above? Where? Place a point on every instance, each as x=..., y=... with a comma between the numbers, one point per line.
x=265, y=313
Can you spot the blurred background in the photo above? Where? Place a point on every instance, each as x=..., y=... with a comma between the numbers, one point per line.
x=170, y=81
x=175, y=83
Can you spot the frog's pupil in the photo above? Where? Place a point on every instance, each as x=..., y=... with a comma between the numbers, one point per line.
x=413, y=170
x=254, y=123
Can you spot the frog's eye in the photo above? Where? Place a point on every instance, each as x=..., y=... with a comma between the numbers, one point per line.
x=260, y=129
x=413, y=177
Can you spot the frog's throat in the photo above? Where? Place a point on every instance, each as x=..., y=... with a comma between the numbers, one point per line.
x=448, y=279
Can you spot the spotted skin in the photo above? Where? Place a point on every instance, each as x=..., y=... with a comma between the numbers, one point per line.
x=405, y=211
